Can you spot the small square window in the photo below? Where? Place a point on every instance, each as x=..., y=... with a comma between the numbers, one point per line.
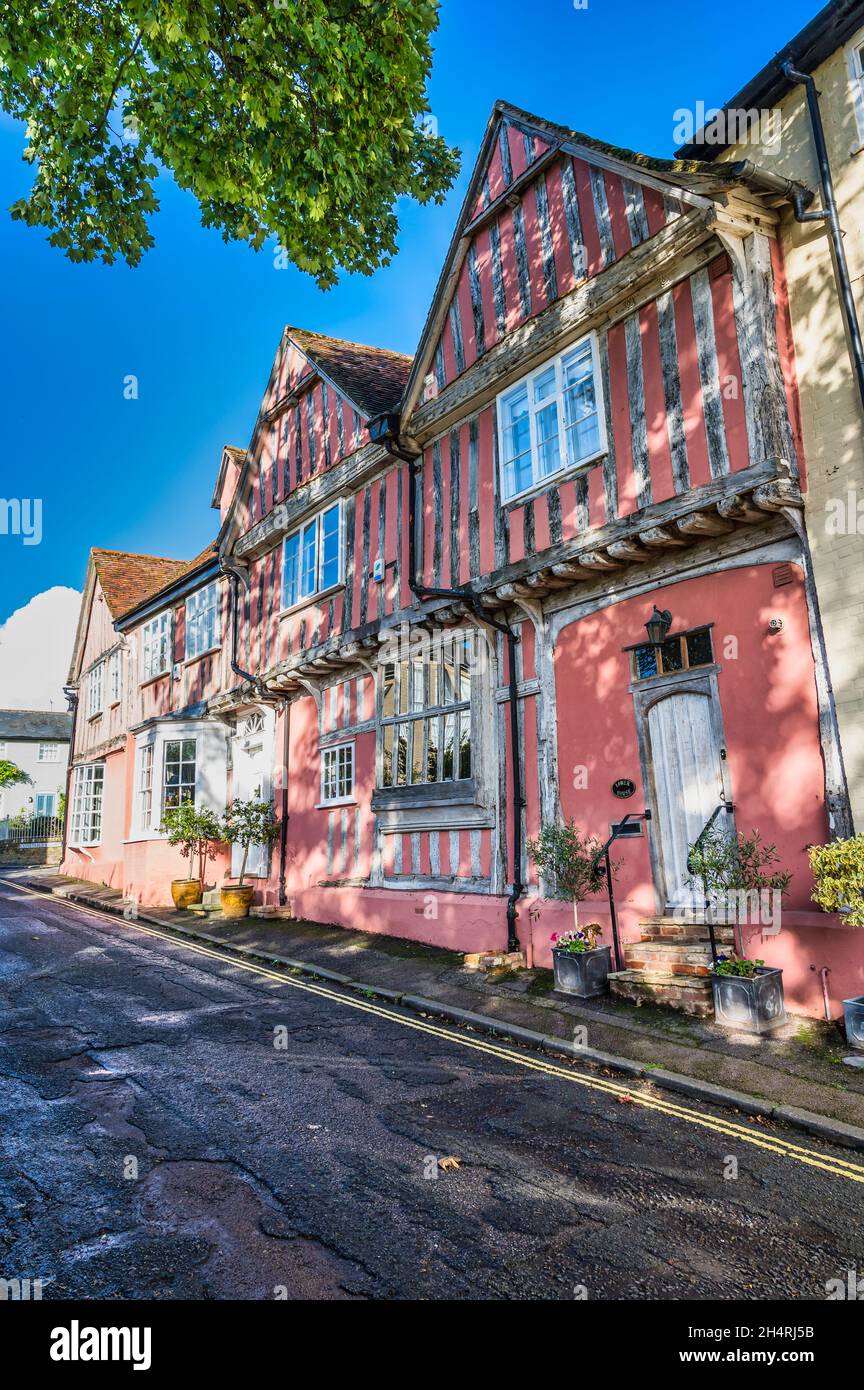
x=337, y=773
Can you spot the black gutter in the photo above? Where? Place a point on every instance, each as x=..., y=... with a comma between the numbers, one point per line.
x=283, y=825
x=387, y=433
x=828, y=213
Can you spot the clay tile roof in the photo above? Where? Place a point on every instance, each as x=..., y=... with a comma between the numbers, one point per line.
x=129, y=579
x=180, y=569
x=373, y=378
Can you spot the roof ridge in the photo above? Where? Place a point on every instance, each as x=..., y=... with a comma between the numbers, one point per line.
x=346, y=342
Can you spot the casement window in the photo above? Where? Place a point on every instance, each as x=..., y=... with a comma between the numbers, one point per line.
x=49, y=753
x=855, y=60
x=115, y=679
x=85, y=827
x=552, y=421
x=3, y=748
x=178, y=772
x=312, y=557
x=145, y=785
x=156, y=646
x=426, y=715
x=337, y=773
x=46, y=804
x=202, y=620
x=681, y=652
x=95, y=689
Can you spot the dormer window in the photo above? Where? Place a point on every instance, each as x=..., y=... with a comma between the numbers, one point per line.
x=552, y=422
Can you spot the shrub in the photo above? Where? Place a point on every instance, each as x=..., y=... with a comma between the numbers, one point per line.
x=738, y=965
x=196, y=832
x=838, y=869
x=567, y=860
x=249, y=823
x=724, y=864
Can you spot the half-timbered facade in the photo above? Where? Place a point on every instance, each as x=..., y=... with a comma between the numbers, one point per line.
x=436, y=574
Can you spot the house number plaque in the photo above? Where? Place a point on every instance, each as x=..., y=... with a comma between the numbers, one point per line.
x=623, y=788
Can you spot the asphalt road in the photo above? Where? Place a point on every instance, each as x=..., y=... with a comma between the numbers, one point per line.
x=175, y=1126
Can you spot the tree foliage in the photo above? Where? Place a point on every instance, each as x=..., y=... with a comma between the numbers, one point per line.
x=568, y=859
x=11, y=775
x=299, y=120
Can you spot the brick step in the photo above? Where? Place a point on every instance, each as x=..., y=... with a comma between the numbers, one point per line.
x=665, y=958
x=687, y=994
x=664, y=929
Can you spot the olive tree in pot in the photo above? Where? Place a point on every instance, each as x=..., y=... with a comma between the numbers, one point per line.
x=740, y=886
x=247, y=823
x=197, y=832
x=838, y=873
x=568, y=862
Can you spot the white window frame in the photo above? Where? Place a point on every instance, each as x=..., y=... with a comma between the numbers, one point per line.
x=48, y=753
x=153, y=634
x=144, y=785
x=96, y=690
x=115, y=679
x=287, y=604
x=329, y=752
x=85, y=822
x=4, y=748
x=540, y=481
x=855, y=64
x=51, y=798
x=199, y=607
x=163, y=761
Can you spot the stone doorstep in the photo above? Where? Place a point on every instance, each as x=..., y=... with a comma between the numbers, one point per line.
x=687, y=994
x=495, y=960
x=662, y=929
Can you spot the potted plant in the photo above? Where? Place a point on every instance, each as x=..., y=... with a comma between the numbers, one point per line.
x=196, y=832
x=838, y=873
x=748, y=995
x=569, y=863
x=735, y=873
x=247, y=823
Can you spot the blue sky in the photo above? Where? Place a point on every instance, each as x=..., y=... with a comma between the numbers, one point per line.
x=198, y=322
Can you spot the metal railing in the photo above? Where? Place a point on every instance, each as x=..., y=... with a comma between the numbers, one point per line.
x=34, y=830
x=604, y=870
x=697, y=845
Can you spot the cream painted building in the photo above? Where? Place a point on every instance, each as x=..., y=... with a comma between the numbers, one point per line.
x=831, y=49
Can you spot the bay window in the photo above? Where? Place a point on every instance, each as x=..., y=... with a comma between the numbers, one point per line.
x=202, y=620
x=312, y=557
x=178, y=773
x=85, y=826
x=145, y=786
x=156, y=646
x=552, y=421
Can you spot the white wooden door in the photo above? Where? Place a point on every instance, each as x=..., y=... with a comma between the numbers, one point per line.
x=250, y=775
x=688, y=784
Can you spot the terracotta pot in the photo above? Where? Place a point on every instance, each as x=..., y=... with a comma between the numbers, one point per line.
x=237, y=901
x=185, y=891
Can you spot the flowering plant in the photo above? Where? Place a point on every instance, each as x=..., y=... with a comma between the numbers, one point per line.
x=577, y=940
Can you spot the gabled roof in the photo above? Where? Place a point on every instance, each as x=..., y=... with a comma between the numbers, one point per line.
x=694, y=181
x=128, y=579
x=373, y=378
x=21, y=724
x=182, y=571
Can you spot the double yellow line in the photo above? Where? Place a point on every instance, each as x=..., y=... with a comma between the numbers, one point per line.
x=776, y=1144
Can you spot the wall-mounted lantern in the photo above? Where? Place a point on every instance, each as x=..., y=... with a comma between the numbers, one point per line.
x=658, y=625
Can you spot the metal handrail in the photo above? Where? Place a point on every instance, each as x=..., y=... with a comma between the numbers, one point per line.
x=606, y=869
x=697, y=844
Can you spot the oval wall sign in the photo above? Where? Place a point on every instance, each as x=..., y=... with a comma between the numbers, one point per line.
x=624, y=788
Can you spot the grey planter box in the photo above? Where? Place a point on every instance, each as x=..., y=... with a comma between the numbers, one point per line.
x=853, y=1016
x=583, y=973
x=754, y=1005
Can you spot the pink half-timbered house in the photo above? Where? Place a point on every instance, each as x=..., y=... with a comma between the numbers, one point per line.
x=433, y=578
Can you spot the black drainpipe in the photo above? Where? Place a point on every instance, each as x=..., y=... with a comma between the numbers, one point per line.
x=235, y=573
x=72, y=703
x=829, y=215
x=389, y=438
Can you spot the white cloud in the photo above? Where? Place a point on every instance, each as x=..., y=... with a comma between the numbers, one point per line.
x=35, y=650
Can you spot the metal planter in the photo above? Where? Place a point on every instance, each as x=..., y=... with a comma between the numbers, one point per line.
x=583, y=973
x=749, y=1005
x=853, y=1017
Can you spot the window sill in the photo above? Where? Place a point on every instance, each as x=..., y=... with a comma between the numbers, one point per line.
x=92, y=718
x=423, y=795
x=343, y=801
x=191, y=660
x=151, y=680
x=310, y=599
x=564, y=475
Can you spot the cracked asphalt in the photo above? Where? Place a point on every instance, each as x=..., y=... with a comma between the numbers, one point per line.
x=175, y=1127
